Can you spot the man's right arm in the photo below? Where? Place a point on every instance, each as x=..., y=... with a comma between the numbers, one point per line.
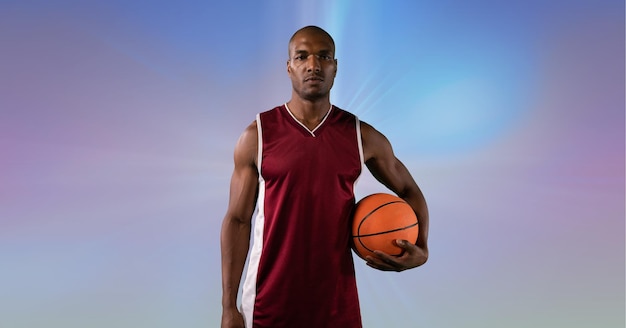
x=235, y=235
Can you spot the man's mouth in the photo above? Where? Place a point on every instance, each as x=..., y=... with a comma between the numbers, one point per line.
x=314, y=79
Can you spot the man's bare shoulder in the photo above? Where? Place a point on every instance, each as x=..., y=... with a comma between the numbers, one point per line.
x=250, y=132
x=374, y=142
x=247, y=145
x=366, y=128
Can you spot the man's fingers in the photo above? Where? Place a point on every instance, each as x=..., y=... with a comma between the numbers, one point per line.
x=384, y=262
x=408, y=247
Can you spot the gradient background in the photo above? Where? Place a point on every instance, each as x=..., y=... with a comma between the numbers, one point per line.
x=118, y=120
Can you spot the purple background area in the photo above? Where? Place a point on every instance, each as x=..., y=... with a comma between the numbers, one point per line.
x=118, y=120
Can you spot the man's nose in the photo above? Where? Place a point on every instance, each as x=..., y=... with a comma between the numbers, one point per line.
x=313, y=64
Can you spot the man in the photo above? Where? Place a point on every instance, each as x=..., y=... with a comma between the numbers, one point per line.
x=298, y=163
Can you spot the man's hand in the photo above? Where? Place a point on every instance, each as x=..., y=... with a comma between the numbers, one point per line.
x=412, y=257
x=232, y=319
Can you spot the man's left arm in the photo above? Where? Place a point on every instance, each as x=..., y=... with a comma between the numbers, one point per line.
x=388, y=170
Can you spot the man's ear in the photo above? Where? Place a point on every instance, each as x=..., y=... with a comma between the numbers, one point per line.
x=288, y=67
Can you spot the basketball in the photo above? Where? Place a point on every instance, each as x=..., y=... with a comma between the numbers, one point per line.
x=378, y=220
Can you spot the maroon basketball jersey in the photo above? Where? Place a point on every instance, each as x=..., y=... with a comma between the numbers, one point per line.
x=300, y=272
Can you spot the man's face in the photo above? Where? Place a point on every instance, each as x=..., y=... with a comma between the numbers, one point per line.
x=312, y=65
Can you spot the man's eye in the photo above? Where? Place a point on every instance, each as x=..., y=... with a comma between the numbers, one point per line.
x=299, y=57
x=325, y=57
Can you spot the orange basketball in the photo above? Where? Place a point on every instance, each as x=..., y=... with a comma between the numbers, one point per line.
x=378, y=220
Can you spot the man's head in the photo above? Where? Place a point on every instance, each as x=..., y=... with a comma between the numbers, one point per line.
x=312, y=65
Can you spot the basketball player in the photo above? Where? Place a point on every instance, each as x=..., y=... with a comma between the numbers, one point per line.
x=298, y=163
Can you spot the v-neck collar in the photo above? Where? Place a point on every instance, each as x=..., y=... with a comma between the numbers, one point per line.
x=312, y=132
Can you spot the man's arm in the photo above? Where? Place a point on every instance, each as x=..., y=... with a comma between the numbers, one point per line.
x=387, y=169
x=235, y=235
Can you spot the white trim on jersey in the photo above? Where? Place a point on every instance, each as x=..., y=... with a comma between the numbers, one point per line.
x=312, y=132
x=359, y=141
x=259, y=132
x=248, y=295
x=361, y=156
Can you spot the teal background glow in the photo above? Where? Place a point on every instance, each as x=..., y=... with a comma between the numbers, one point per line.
x=118, y=120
